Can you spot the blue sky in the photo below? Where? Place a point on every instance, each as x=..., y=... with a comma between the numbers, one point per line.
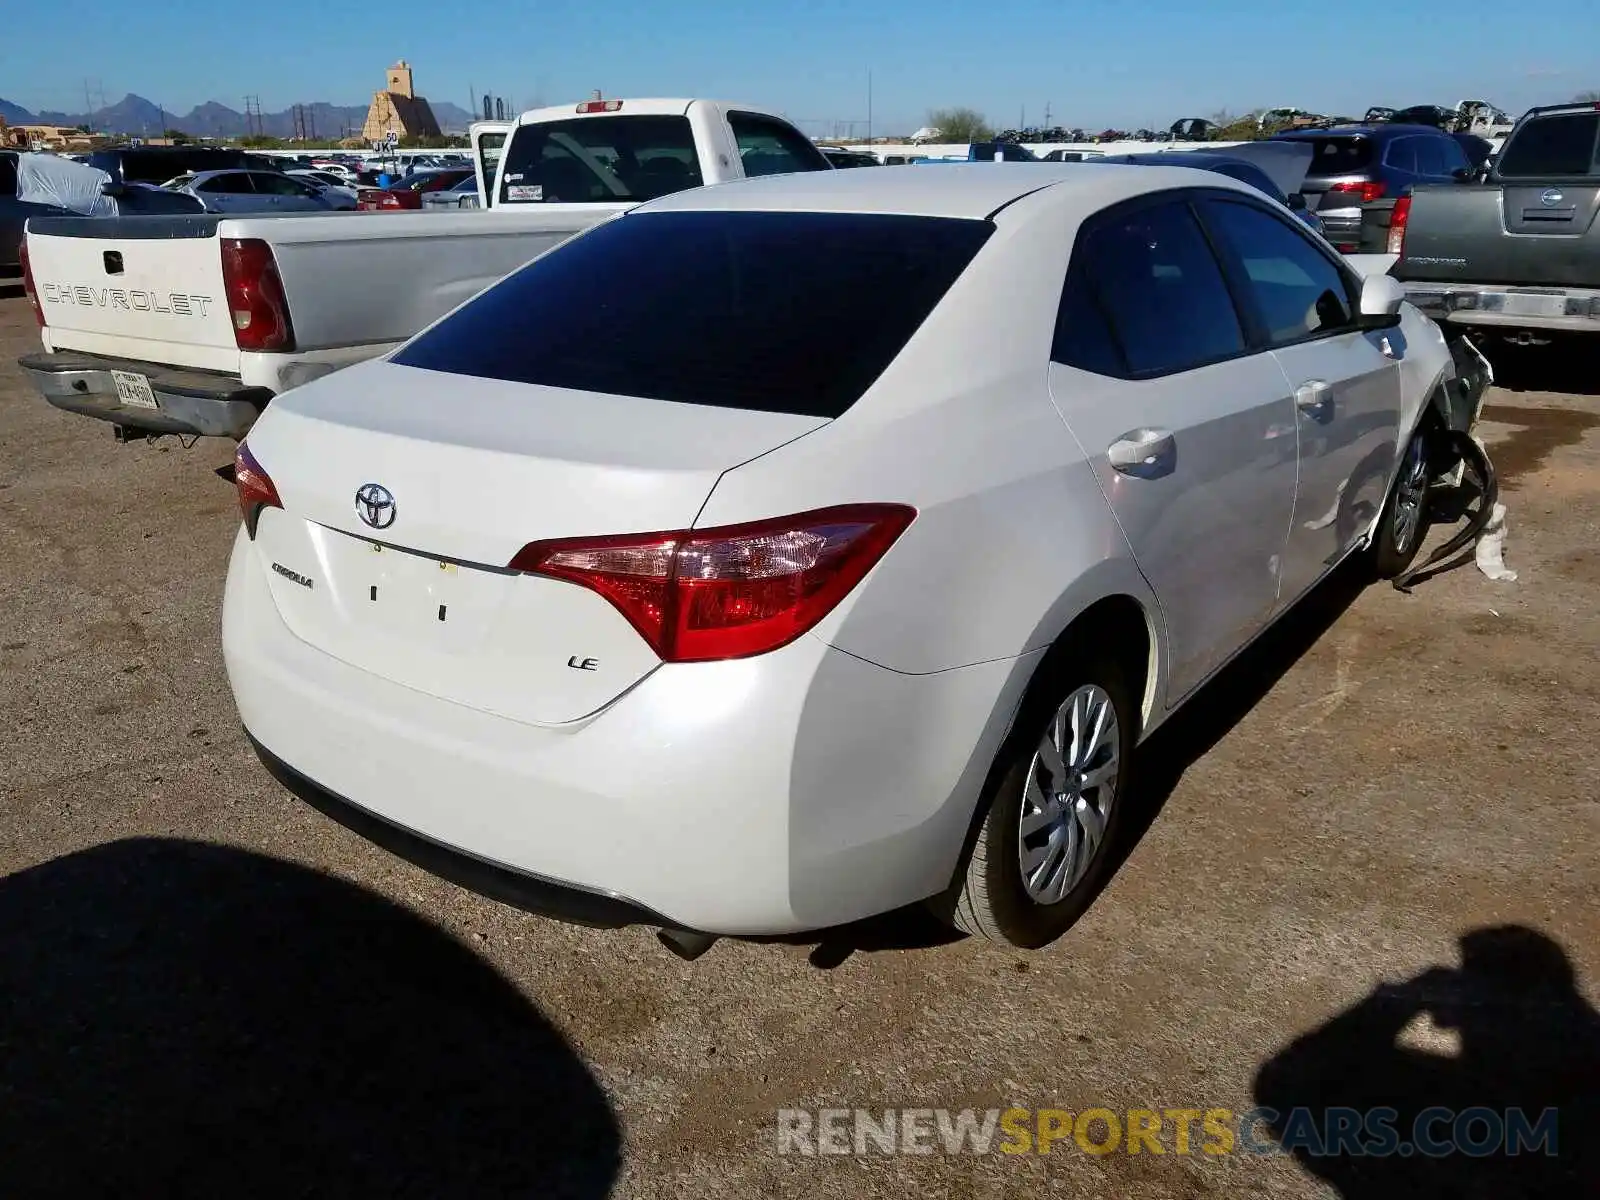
x=1096, y=63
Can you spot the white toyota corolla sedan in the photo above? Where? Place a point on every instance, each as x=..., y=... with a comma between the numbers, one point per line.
x=790, y=551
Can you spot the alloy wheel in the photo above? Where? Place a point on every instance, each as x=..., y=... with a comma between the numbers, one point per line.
x=1072, y=784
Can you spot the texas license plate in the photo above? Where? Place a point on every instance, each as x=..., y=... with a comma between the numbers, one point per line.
x=134, y=389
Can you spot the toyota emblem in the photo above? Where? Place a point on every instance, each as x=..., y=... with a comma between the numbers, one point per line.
x=1551, y=197
x=375, y=505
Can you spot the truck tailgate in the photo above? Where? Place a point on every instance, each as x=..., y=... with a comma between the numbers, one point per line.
x=142, y=287
x=1516, y=234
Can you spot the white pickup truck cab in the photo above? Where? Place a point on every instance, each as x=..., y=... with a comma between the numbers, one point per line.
x=191, y=324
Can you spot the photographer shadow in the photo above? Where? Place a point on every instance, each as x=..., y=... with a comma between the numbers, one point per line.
x=180, y=1019
x=1507, y=1034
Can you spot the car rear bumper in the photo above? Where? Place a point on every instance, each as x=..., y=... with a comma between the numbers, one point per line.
x=1341, y=227
x=1555, y=309
x=201, y=403
x=798, y=790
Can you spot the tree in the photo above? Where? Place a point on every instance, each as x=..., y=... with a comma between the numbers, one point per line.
x=176, y=136
x=961, y=125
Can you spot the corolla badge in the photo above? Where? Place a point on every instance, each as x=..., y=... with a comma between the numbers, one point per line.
x=375, y=505
x=1551, y=197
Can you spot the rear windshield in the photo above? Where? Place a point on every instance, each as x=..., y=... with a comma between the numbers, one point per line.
x=1559, y=145
x=1337, y=155
x=772, y=311
x=598, y=160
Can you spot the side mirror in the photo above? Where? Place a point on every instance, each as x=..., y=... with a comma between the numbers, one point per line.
x=1381, y=298
x=1296, y=202
x=1466, y=174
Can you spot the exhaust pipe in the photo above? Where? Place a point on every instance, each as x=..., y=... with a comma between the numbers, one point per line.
x=687, y=946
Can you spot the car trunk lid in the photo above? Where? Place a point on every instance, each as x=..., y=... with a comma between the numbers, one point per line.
x=472, y=470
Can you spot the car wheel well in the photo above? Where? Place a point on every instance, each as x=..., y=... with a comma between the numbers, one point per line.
x=1117, y=625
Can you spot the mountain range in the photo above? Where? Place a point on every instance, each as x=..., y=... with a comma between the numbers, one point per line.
x=138, y=117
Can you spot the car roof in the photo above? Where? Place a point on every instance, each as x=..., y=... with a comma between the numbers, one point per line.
x=966, y=190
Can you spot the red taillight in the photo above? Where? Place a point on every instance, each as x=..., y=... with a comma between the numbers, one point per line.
x=256, y=301
x=702, y=594
x=1366, y=191
x=594, y=106
x=1397, y=225
x=27, y=281
x=256, y=489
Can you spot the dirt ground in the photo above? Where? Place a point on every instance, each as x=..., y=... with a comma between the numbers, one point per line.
x=1365, y=876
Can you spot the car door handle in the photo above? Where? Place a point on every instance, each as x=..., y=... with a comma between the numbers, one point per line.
x=1315, y=398
x=1144, y=453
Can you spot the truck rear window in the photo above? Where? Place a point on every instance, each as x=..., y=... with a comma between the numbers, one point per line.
x=598, y=160
x=1557, y=145
x=1337, y=155
x=772, y=311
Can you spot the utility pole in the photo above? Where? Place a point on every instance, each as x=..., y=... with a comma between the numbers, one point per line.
x=869, y=107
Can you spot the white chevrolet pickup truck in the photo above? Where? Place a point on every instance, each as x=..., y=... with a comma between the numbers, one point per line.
x=190, y=324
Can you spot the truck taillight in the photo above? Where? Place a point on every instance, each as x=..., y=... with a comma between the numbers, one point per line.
x=1397, y=225
x=702, y=594
x=27, y=281
x=255, y=487
x=256, y=302
x=1367, y=191
x=594, y=106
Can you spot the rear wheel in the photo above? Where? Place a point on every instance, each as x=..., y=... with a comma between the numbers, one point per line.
x=1404, y=523
x=1054, y=811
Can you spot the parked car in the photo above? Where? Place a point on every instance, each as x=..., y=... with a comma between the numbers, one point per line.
x=1274, y=169
x=1062, y=155
x=773, y=672
x=986, y=152
x=1191, y=129
x=464, y=194
x=1519, y=256
x=842, y=157
x=407, y=193
x=157, y=164
x=268, y=304
x=340, y=195
x=252, y=192
x=14, y=213
x=1355, y=165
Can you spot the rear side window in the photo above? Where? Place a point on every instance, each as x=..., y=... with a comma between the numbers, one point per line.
x=1431, y=160
x=772, y=311
x=8, y=175
x=768, y=147
x=1401, y=155
x=1156, y=281
x=1558, y=145
x=1339, y=155
x=608, y=159
x=1298, y=292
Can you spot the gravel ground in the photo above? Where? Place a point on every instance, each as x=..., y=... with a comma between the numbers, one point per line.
x=1365, y=876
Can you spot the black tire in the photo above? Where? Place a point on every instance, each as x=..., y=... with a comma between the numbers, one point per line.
x=1396, y=540
x=990, y=898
